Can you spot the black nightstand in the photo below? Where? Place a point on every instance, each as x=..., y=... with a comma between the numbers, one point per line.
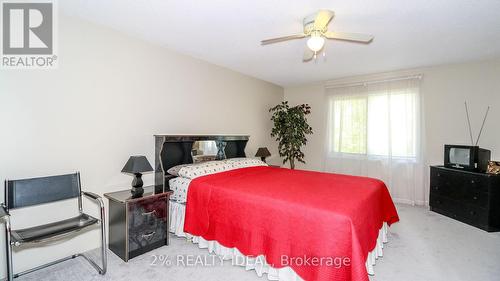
x=137, y=225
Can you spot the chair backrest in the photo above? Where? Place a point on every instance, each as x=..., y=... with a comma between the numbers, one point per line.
x=35, y=191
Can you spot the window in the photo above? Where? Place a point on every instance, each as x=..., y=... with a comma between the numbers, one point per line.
x=374, y=120
x=374, y=130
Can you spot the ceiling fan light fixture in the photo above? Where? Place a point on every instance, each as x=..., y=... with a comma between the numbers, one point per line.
x=316, y=43
x=316, y=31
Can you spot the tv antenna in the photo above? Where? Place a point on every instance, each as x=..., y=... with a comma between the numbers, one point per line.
x=470, y=128
x=468, y=122
x=482, y=126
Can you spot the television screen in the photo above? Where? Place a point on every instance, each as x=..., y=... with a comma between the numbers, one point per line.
x=460, y=156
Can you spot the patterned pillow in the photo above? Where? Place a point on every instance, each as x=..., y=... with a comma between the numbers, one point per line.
x=236, y=163
x=174, y=171
x=211, y=167
x=202, y=169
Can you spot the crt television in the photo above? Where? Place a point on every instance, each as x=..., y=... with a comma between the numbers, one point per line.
x=465, y=157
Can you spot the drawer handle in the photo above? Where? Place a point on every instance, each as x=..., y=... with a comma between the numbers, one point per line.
x=472, y=181
x=436, y=188
x=149, y=235
x=473, y=213
x=149, y=213
x=475, y=197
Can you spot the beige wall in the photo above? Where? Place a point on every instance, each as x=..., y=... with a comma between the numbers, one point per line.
x=108, y=97
x=444, y=90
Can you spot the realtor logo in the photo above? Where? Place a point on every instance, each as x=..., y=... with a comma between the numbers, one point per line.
x=28, y=34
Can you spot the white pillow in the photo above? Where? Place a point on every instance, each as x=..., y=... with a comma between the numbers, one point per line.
x=212, y=167
x=201, y=169
x=174, y=171
x=244, y=162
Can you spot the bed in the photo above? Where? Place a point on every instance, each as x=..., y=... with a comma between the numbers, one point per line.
x=289, y=225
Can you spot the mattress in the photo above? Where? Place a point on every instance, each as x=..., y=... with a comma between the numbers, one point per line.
x=179, y=186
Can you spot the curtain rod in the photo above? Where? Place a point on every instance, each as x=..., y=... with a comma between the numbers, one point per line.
x=365, y=83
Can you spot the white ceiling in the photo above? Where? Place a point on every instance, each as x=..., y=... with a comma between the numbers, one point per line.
x=408, y=33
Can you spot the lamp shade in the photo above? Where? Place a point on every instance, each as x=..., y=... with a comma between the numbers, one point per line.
x=137, y=164
x=262, y=152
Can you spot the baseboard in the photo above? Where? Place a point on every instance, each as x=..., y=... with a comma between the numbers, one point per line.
x=410, y=202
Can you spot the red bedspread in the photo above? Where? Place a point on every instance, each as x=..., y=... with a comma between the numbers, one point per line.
x=285, y=214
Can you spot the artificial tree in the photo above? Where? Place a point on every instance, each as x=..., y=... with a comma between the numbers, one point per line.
x=290, y=130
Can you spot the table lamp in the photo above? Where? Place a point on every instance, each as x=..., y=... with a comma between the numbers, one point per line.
x=263, y=152
x=137, y=165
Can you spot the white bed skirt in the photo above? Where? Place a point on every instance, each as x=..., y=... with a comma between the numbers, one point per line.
x=177, y=213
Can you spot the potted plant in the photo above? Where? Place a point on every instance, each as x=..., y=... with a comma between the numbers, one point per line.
x=290, y=130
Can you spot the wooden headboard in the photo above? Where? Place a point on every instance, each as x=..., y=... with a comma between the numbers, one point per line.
x=173, y=150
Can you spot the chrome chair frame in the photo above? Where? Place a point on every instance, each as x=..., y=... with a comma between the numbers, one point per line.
x=9, y=244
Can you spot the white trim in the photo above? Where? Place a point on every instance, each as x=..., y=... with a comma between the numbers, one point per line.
x=410, y=202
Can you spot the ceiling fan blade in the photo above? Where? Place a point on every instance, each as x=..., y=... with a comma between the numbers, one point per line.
x=322, y=19
x=308, y=55
x=354, y=37
x=281, y=39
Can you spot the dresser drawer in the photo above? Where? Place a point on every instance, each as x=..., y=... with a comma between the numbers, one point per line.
x=459, y=178
x=444, y=185
x=461, y=211
x=457, y=184
x=476, y=198
x=452, y=207
x=475, y=215
x=147, y=213
x=139, y=238
x=147, y=223
x=476, y=182
x=456, y=192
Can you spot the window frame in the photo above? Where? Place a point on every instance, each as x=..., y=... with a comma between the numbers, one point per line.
x=331, y=124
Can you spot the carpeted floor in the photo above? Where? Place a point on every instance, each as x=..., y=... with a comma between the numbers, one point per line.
x=424, y=246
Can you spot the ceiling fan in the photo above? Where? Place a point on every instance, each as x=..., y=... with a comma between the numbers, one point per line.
x=316, y=28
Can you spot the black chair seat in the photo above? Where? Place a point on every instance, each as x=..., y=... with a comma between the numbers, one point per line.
x=50, y=230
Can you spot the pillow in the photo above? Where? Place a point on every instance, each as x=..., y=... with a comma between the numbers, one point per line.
x=201, y=169
x=212, y=167
x=174, y=171
x=244, y=162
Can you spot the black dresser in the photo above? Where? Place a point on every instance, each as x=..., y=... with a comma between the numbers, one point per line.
x=137, y=225
x=470, y=197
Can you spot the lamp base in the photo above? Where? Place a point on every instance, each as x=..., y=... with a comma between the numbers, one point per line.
x=137, y=184
x=263, y=159
x=137, y=192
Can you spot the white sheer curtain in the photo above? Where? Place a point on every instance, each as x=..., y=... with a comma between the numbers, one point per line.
x=375, y=130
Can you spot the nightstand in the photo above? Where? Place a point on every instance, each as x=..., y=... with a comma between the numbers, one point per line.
x=137, y=225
